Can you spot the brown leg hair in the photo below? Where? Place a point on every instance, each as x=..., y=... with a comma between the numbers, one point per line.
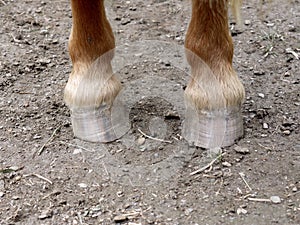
x=214, y=85
x=91, y=39
x=91, y=83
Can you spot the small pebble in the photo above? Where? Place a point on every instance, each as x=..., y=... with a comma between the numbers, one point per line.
x=261, y=95
x=265, y=126
x=82, y=185
x=77, y=151
x=292, y=28
x=247, y=22
x=120, y=218
x=286, y=132
x=295, y=189
x=45, y=214
x=226, y=164
x=120, y=194
x=44, y=32
x=241, y=150
x=141, y=140
x=275, y=199
x=15, y=197
x=188, y=211
x=241, y=211
x=14, y=168
x=1, y=194
x=55, y=41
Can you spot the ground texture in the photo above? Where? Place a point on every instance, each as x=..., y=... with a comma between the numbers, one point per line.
x=49, y=177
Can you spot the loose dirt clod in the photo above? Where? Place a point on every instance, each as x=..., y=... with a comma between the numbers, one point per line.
x=241, y=150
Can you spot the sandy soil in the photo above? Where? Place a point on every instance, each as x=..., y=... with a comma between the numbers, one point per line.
x=49, y=177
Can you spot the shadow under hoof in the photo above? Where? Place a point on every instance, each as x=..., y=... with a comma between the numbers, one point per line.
x=210, y=129
x=98, y=124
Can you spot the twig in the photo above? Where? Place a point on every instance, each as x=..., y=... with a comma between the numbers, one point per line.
x=267, y=148
x=105, y=169
x=79, y=217
x=15, y=40
x=153, y=138
x=77, y=146
x=52, y=193
x=39, y=176
x=48, y=141
x=297, y=192
x=243, y=178
x=259, y=199
x=275, y=130
x=247, y=195
x=221, y=184
x=208, y=165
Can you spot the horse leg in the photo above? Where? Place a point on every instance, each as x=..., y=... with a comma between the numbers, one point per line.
x=214, y=93
x=92, y=86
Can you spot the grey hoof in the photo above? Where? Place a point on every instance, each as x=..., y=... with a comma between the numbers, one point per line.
x=211, y=129
x=98, y=124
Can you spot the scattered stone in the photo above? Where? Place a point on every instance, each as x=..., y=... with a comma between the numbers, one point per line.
x=44, y=62
x=77, y=151
x=265, y=126
x=143, y=148
x=295, y=189
x=120, y=194
x=14, y=168
x=45, y=214
x=275, y=199
x=141, y=140
x=241, y=150
x=125, y=21
x=247, y=22
x=55, y=41
x=97, y=208
x=287, y=123
x=241, y=211
x=1, y=194
x=226, y=164
x=188, y=211
x=44, y=32
x=286, y=132
x=172, y=114
x=139, y=55
x=261, y=95
x=120, y=218
x=82, y=185
x=15, y=197
x=292, y=28
x=291, y=51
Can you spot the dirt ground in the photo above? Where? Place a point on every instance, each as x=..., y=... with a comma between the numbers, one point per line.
x=49, y=177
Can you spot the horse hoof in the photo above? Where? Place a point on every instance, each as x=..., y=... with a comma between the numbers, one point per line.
x=98, y=124
x=210, y=129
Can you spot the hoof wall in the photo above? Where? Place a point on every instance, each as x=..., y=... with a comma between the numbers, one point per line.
x=98, y=124
x=213, y=129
